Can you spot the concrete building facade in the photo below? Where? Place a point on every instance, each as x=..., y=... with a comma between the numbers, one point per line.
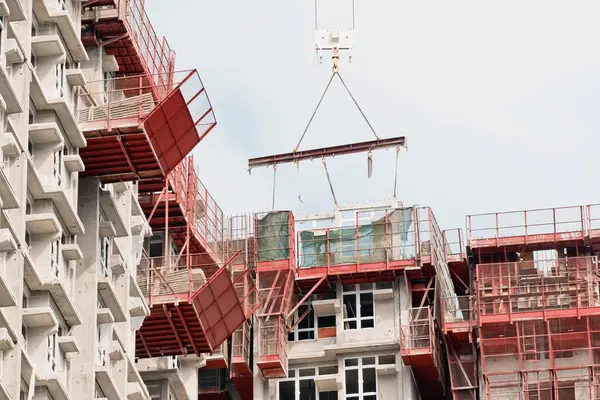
x=70, y=243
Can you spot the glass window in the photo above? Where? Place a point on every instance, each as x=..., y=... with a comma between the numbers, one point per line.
x=361, y=379
x=359, y=307
x=305, y=329
x=300, y=384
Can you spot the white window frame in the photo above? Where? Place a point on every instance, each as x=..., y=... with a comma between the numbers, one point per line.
x=57, y=166
x=105, y=246
x=297, y=330
x=360, y=367
x=60, y=78
x=359, y=318
x=296, y=378
x=51, y=353
x=54, y=258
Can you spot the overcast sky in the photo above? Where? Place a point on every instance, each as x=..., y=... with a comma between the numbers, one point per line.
x=499, y=102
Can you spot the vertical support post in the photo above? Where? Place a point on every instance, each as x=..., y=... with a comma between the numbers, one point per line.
x=166, y=244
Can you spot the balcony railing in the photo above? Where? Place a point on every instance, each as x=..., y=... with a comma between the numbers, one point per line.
x=204, y=215
x=537, y=286
x=390, y=236
x=419, y=333
x=457, y=310
x=158, y=57
x=178, y=277
x=522, y=227
x=129, y=99
x=454, y=248
x=273, y=340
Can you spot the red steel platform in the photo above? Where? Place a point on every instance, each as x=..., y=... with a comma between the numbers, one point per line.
x=131, y=135
x=183, y=319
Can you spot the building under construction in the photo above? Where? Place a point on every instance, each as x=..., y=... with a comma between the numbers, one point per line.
x=122, y=278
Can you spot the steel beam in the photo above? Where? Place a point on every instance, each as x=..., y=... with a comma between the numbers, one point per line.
x=332, y=151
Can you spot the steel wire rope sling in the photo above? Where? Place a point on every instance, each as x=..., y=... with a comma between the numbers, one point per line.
x=335, y=41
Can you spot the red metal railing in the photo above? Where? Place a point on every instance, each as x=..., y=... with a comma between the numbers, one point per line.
x=530, y=226
x=454, y=248
x=201, y=210
x=593, y=220
x=273, y=341
x=178, y=277
x=419, y=334
x=380, y=236
x=458, y=312
x=537, y=286
x=159, y=59
x=128, y=100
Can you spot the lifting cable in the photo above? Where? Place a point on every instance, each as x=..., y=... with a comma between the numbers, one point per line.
x=274, y=176
x=396, y=171
x=334, y=74
x=330, y=184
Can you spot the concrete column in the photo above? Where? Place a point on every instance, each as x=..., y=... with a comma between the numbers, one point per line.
x=86, y=283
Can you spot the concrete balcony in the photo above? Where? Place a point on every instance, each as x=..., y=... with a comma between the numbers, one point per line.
x=7, y=90
x=7, y=297
x=73, y=163
x=113, y=212
x=47, y=286
x=68, y=344
x=104, y=377
x=164, y=368
x=39, y=317
x=8, y=197
x=4, y=10
x=60, y=106
x=116, y=351
x=117, y=264
x=108, y=294
x=48, y=46
x=135, y=391
x=46, y=133
x=47, y=11
x=104, y=316
x=106, y=229
x=4, y=324
x=6, y=342
x=47, y=187
x=4, y=394
x=329, y=383
x=7, y=240
x=109, y=63
x=54, y=386
x=138, y=306
x=17, y=11
x=75, y=77
x=44, y=223
x=136, y=387
x=14, y=52
x=72, y=252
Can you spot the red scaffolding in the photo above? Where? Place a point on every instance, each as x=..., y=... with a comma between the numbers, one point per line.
x=537, y=297
x=275, y=257
x=123, y=29
x=134, y=135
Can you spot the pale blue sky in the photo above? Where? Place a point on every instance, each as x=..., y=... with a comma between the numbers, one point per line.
x=499, y=102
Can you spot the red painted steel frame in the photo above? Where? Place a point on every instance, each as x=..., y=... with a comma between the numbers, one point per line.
x=345, y=149
x=537, y=320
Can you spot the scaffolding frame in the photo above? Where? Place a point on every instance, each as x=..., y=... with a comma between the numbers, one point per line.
x=537, y=318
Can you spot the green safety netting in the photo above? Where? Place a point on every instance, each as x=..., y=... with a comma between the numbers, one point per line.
x=273, y=236
x=366, y=244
